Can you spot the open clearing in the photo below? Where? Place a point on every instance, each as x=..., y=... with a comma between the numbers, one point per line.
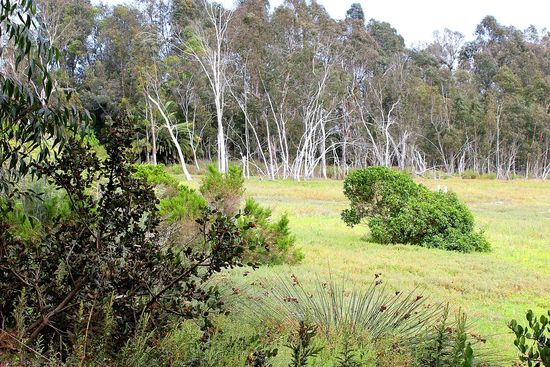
x=491, y=288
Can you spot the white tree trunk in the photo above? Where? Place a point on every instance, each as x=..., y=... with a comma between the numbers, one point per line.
x=169, y=127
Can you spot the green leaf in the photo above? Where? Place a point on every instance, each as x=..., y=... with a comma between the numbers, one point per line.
x=48, y=87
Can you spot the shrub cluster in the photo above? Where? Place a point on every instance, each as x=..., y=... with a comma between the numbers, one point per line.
x=401, y=211
x=269, y=241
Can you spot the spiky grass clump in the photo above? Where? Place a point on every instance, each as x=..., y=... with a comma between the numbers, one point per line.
x=373, y=311
x=402, y=325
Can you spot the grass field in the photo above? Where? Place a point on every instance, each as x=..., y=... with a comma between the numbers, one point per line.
x=492, y=288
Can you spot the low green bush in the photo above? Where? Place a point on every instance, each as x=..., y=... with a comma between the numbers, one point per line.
x=187, y=204
x=455, y=240
x=423, y=216
x=400, y=211
x=272, y=241
x=223, y=191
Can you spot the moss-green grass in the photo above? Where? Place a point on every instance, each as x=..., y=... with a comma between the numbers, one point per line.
x=491, y=287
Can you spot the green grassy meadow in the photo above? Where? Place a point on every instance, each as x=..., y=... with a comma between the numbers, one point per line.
x=492, y=288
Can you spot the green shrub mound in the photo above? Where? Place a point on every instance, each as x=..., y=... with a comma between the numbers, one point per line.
x=399, y=210
x=186, y=204
x=272, y=242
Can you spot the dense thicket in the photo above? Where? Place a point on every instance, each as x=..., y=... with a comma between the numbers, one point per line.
x=291, y=92
x=86, y=245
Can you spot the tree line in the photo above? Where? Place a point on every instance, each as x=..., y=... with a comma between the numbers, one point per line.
x=290, y=92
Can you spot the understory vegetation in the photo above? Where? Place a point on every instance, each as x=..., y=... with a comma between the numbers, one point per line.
x=269, y=241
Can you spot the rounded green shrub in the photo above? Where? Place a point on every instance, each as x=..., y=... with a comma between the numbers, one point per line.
x=155, y=175
x=377, y=191
x=398, y=210
x=272, y=242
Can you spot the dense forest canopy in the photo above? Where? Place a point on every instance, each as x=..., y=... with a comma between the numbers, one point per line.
x=291, y=92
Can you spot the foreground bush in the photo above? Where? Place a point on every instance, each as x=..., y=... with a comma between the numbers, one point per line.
x=399, y=210
x=102, y=264
x=533, y=340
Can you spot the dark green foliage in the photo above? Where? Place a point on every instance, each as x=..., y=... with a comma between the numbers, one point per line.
x=106, y=251
x=223, y=190
x=400, y=211
x=302, y=345
x=533, y=341
x=261, y=356
x=273, y=242
x=34, y=115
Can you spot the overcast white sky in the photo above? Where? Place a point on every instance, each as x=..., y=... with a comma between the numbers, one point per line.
x=416, y=20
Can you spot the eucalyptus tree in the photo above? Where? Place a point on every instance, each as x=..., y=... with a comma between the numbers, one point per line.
x=154, y=94
x=250, y=37
x=206, y=42
x=69, y=24
x=35, y=113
